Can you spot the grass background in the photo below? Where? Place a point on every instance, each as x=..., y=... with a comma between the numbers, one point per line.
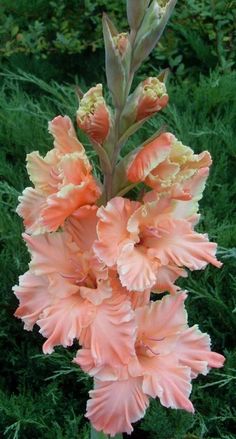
x=44, y=397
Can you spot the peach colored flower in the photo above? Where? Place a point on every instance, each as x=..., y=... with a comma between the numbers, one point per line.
x=93, y=116
x=69, y=294
x=147, y=99
x=165, y=164
x=63, y=181
x=153, y=97
x=168, y=354
x=93, y=269
x=151, y=243
x=149, y=157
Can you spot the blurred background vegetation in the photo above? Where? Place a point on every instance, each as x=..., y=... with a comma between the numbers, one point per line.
x=47, y=48
x=53, y=39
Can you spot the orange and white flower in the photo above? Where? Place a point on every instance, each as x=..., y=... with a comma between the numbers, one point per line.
x=93, y=116
x=63, y=181
x=166, y=165
x=153, y=97
x=149, y=97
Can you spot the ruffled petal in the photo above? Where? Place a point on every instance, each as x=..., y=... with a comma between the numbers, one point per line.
x=43, y=171
x=34, y=297
x=162, y=319
x=52, y=253
x=116, y=404
x=178, y=244
x=62, y=285
x=193, y=349
x=62, y=322
x=136, y=299
x=31, y=204
x=136, y=270
x=112, y=228
x=167, y=380
x=65, y=139
x=148, y=157
x=176, y=172
x=74, y=168
x=112, y=332
x=162, y=176
x=192, y=188
x=166, y=276
x=96, y=125
x=139, y=299
x=65, y=202
x=102, y=372
x=82, y=226
x=150, y=214
x=99, y=294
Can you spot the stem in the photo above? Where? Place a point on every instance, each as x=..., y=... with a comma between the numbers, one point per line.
x=108, y=177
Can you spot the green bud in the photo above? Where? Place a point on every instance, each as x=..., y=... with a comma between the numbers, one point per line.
x=135, y=12
x=153, y=25
x=115, y=71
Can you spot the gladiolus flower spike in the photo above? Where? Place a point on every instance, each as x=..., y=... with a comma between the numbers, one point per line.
x=97, y=256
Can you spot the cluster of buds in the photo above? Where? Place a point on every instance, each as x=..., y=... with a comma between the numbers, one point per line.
x=96, y=256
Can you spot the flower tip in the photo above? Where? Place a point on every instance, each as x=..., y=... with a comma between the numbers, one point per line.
x=183, y=295
x=190, y=408
x=26, y=237
x=47, y=349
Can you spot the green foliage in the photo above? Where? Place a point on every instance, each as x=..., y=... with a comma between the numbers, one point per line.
x=45, y=396
x=58, y=38
x=200, y=36
x=41, y=27
x=56, y=33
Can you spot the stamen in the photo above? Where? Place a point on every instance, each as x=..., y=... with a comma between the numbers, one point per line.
x=153, y=232
x=156, y=339
x=69, y=276
x=74, y=278
x=150, y=349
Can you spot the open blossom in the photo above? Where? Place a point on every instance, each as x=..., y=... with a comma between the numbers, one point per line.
x=93, y=116
x=165, y=164
x=70, y=295
x=63, y=181
x=150, y=243
x=168, y=355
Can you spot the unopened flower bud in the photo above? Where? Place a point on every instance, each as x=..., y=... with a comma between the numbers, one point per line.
x=153, y=97
x=121, y=42
x=163, y=3
x=115, y=71
x=135, y=12
x=93, y=116
x=148, y=98
x=151, y=29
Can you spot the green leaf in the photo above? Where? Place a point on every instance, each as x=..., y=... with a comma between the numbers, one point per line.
x=14, y=30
